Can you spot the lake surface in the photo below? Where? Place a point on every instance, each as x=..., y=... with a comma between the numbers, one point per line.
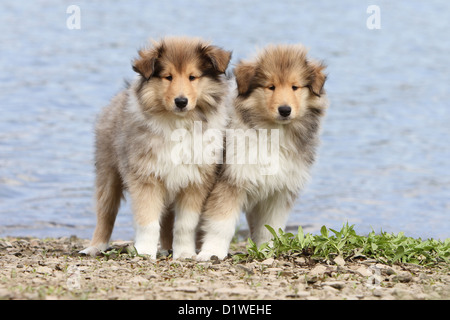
x=384, y=161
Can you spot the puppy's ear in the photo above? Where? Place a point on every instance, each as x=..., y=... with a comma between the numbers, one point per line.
x=318, y=77
x=244, y=73
x=219, y=58
x=145, y=64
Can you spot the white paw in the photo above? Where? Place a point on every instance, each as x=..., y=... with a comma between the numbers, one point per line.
x=146, y=250
x=184, y=251
x=94, y=250
x=184, y=255
x=206, y=255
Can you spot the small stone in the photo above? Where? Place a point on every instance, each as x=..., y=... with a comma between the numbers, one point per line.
x=424, y=276
x=339, y=261
x=330, y=289
x=38, y=281
x=138, y=280
x=287, y=273
x=388, y=271
x=362, y=271
x=244, y=269
x=35, y=243
x=299, y=294
x=402, y=277
x=44, y=270
x=236, y=291
x=274, y=270
x=5, y=244
x=318, y=270
x=334, y=284
x=4, y=293
x=402, y=294
x=311, y=279
x=214, y=258
x=167, y=289
x=378, y=293
x=369, y=261
x=268, y=262
x=187, y=289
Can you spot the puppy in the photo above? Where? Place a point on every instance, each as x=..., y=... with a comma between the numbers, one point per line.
x=180, y=87
x=281, y=93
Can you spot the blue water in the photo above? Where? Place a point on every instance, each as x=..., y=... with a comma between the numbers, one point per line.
x=384, y=159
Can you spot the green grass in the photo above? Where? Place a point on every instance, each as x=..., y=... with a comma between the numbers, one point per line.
x=384, y=247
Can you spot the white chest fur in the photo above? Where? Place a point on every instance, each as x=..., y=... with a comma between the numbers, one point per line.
x=176, y=150
x=263, y=168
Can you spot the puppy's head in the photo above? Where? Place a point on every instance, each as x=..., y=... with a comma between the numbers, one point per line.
x=177, y=71
x=281, y=83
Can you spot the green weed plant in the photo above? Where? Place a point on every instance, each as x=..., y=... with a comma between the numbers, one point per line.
x=384, y=247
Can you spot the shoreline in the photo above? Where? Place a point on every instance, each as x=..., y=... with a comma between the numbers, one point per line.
x=52, y=269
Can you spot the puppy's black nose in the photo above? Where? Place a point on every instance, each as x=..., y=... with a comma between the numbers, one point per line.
x=284, y=111
x=181, y=102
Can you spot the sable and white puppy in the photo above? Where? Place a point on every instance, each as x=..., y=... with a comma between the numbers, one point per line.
x=280, y=102
x=181, y=84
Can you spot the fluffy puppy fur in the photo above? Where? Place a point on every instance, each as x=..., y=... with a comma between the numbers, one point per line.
x=180, y=81
x=281, y=89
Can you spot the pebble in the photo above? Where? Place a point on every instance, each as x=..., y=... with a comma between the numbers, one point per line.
x=268, y=262
x=299, y=294
x=44, y=270
x=236, y=291
x=402, y=277
x=138, y=280
x=244, y=269
x=35, y=243
x=378, y=293
x=318, y=270
x=5, y=244
x=188, y=289
x=363, y=271
x=315, y=273
x=4, y=293
x=274, y=270
x=339, y=261
x=330, y=289
x=388, y=271
x=402, y=294
x=334, y=284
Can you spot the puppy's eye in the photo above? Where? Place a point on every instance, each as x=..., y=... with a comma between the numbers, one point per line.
x=272, y=88
x=294, y=88
x=169, y=78
x=192, y=78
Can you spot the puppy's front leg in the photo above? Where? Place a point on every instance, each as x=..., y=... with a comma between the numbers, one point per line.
x=147, y=200
x=188, y=207
x=273, y=211
x=219, y=220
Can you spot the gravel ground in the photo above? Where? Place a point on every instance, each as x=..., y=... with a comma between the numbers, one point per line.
x=52, y=269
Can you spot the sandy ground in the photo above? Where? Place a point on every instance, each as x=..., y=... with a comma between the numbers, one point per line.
x=52, y=269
